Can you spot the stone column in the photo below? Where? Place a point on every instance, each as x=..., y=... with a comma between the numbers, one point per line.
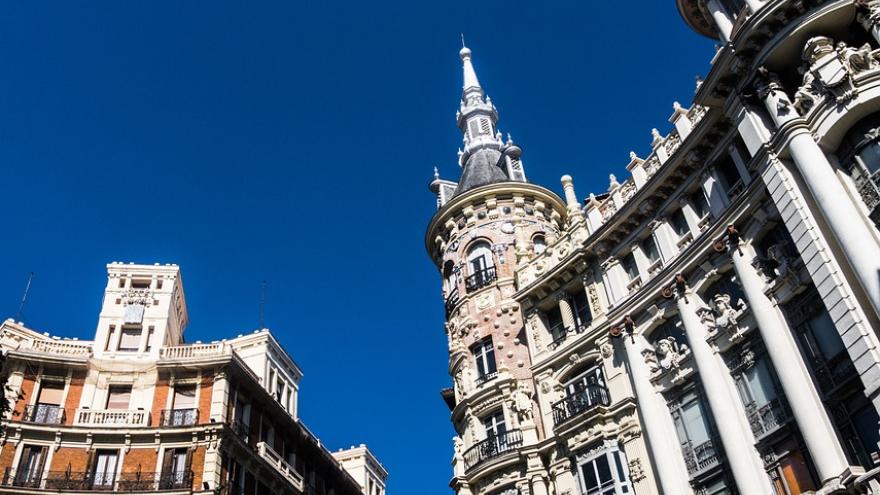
x=754, y=5
x=573, y=206
x=657, y=422
x=722, y=21
x=842, y=216
x=219, y=398
x=567, y=313
x=869, y=17
x=739, y=443
x=805, y=404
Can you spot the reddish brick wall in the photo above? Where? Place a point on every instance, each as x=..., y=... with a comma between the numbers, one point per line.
x=206, y=390
x=76, y=458
x=74, y=394
x=198, y=466
x=27, y=389
x=7, y=455
x=160, y=398
x=143, y=460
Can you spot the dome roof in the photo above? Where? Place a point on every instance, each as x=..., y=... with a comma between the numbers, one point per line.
x=697, y=17
x=481, y=169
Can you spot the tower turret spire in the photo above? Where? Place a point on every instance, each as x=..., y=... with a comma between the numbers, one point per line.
x=486, y=158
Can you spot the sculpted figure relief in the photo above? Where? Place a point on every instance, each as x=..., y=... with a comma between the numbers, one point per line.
x=521, y=402
x=668, y=354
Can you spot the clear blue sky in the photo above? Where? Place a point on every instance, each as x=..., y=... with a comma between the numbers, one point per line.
x=293, y=142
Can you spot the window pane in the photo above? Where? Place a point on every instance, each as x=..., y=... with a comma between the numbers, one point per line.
x=696, y=427
x=50, y=393
x=760, y=383
x=826, y=335
x=119, y=397
x=679, y=223
x=184, y=397
x=870, y=157
x=589, y=473
x=130, y=339
x=603, y=469
x=649, y=247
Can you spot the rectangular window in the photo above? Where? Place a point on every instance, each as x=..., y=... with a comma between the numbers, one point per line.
x=47, y=410
x=104, y=469
x=149, y=345
x=733, y=182
x=649, y=247
x=629, y=266
x=494, y=424
x=111, y=334
x=175, y=469
x=581, y=307
x=555, y=324
x=118, y=397
x=130, y=340
x=679, y=223
x=484, y=356
x=604, y=473
x=30, y=467
x=699, y=203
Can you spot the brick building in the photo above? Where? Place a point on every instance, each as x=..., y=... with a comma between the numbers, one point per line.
x=139, y=410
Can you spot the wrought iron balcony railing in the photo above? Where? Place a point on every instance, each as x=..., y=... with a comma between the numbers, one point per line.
x=700, y=458
x=451, y=300
x=480, y=279
x=45, y=414
x=492, y=447
x=767, y=418
x=179, y=417
x=98, y=481
x=240, y=429
x=581, y=402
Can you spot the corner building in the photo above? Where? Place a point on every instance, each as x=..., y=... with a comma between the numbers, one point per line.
x=139, y=410
x=708, y=325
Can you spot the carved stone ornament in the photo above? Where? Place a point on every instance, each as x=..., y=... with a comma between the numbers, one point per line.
x=607, y=350
x=636, y=471
x=521, y=403
x=724, y=317
x=667, y=354
x=830, y=70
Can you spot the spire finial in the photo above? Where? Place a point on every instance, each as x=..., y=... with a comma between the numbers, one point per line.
x=462, y=41
x=436, y=173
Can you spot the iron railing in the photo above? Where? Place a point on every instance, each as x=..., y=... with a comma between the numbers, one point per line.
x=492, y=447
x=46, y=414
x=480, y=380
x=240, y=429
x=99, y=481
x=583, y=401
x=179, y=417
x=700, y=458
x=559, y=334
x=767, y=418
x=451, y=300
x=480, y=279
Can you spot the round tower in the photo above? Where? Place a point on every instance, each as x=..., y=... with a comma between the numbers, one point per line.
x=487, y=222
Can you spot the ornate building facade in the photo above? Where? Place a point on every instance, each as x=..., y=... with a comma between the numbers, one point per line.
x=139, y=410
x=707, y=325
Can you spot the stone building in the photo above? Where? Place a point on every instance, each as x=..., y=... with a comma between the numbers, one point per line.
x=139, y=410
x=364, y=467
x=708, y=324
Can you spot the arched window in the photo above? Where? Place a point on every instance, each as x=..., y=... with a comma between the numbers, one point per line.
x=449, y=276
x=539, y=243
x=859, y=154
x=479, y=257
x=480, y=266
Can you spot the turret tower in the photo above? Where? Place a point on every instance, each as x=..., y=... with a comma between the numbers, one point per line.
x=486, y=223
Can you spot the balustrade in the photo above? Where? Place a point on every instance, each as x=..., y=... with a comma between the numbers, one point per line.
x=280, y=465
x=195, y=351
x=480, y=279
x=46, y=414
x=700, y=458
x=111, y=417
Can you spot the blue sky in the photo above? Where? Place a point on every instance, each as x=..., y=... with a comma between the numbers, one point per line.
x=294, y=143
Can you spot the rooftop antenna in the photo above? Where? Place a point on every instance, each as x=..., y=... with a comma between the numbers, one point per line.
x=27, y=289
x=262, y=304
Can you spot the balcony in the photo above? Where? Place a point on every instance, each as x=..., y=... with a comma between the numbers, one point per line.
x=480, y=279
x=60, y=348
x=194, y=351
x=559, y=334
x=280, y=465
x=179, y=417
x=451, y=300
x=868, y=185
x=93, y=482
x=44, y=414
x=579, y=403
x=240, y=429
x=700, y=458
x=482, y=379
x=768, y=418
x=111, y=418
x=492, y=447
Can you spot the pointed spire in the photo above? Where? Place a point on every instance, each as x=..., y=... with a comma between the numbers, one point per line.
x=470, y=76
